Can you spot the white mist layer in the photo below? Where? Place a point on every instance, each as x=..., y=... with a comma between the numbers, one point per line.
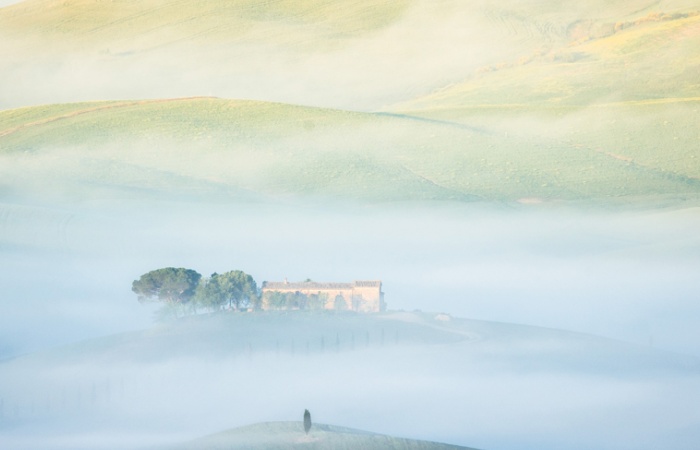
x=500, y=387
x=67, y=272
x=630, y=276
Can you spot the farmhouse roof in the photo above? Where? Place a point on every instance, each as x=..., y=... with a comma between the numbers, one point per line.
x=320, y=286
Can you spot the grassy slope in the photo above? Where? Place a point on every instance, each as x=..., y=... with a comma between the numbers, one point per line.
x=227, y=20
x=284, y=435
x=585, y=114
x=650, y=60
x=132, y=26
x=632, y=95
x=217, y=145
x=426, y=42
x=244, y=149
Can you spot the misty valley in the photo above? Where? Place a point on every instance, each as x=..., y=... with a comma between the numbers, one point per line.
x=418, y=375
x=441, y=365
x=367, y=224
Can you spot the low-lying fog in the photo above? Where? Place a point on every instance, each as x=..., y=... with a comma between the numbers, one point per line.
x=67, y=273
x=632, y=276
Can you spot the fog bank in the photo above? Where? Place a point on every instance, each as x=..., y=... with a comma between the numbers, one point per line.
x=625, y=275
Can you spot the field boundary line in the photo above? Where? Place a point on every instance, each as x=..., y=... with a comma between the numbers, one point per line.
x=118, y=104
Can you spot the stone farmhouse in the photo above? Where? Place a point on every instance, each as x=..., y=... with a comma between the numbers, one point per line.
x=361, y=296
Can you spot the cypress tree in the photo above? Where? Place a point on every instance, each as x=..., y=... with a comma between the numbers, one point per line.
x=307, y=421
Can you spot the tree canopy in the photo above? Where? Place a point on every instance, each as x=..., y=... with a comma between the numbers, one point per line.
x=238, y=288
x=235, y=288
x=169, y=285
x=177, y=287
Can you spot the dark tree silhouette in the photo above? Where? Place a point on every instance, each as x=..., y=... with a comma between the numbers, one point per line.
x=307, y=421
x=170, y=285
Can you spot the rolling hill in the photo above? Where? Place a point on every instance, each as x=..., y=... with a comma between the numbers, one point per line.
x=283, y=435
x=345, y=55
x=644, y=62
x=250, y=151
x=629, y=92
x=148, y=26
x=535, y=102
x=625, y=89
x=138, y=133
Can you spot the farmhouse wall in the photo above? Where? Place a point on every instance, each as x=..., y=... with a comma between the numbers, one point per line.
x=361, y=296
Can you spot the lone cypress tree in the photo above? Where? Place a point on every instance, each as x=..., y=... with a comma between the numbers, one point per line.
x=307, y=421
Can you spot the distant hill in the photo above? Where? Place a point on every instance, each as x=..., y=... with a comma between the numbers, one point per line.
x=126, y=28
x=639, y=62
x=361, y=54
x=290, y=435
x=625, y=89
x=149, y=25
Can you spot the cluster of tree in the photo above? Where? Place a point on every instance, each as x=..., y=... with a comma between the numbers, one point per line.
x=185, y=291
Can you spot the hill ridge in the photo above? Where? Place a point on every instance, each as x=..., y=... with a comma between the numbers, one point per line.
x=236, y=148
x=109, y=104
x=289, y=434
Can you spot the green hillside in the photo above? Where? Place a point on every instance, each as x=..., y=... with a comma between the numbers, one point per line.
x=636, y=63
x=625, y=89
x=352, y=55
x=131, y=26
x=150, y=24
x=225, y=149
x=290, y=435
x=537, y=101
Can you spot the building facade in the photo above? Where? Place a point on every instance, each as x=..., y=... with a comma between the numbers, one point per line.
x=360, y=296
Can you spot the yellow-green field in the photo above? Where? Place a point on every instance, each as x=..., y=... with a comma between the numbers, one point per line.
x=131, y=25
x=534, y=102
x=229, y=148
x=654, y=60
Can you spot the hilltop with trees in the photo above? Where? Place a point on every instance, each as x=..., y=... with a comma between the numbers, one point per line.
x=185, y=291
